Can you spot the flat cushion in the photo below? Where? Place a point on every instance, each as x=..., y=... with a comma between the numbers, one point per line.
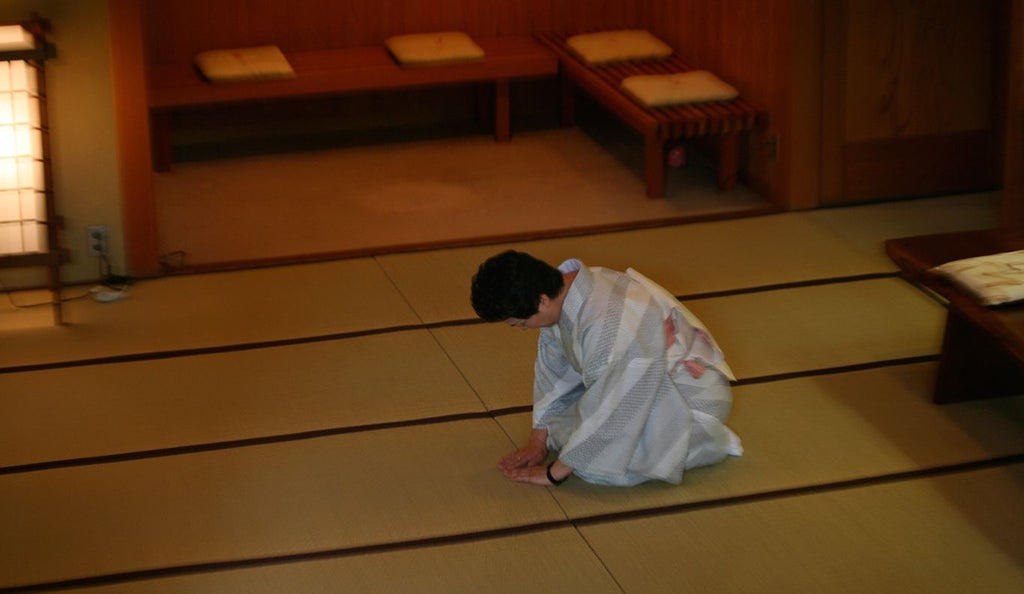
x=994, y=279
x=695, y=86
x=428, y=49
x=618, y=46
x=242, y=64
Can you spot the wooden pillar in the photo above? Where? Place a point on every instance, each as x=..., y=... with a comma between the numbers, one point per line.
x=1011, y=210
x=128, y=69
x=502, y=110
x=654, y=164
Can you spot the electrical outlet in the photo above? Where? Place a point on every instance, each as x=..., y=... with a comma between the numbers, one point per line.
x=97, y=236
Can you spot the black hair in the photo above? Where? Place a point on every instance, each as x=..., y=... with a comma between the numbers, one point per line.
x=509, y=285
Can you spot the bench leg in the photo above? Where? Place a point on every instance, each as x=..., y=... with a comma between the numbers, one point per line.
x=567, y=102
x=502, y=109
x=654, y=166
x=160, y=141
x=728, y=161
x=974, y=365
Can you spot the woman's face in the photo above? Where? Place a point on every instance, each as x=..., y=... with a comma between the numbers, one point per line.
x=547, y=315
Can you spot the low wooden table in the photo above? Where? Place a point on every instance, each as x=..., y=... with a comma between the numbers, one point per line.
x=983, y=347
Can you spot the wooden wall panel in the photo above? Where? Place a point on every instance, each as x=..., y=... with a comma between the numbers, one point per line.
x=911, y=98
x=570, y=16
x=1011, y=212
x=131, y=118
x=914, y=68
x=177, y=29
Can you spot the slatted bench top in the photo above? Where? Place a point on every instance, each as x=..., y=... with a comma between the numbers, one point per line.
x=327, y=72
x=677, y=121
x=723, y=121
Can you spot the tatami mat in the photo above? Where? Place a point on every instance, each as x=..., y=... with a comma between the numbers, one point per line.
x=188, y=312
x=868, y=226
x=762, y=334
x=145, y=405
x=303, y=458
x=395, y=485
x=706, y=257
x=546, y=561
x=946, y=534
x=501, y=380
x=282, y=499
x=26, y=310
x=381, y=195
x=822, y=430
x=818, y=327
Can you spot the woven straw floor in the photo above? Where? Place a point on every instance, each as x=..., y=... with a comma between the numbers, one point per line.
x=334, y=427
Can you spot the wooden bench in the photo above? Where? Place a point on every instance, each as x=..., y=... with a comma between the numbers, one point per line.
x=983, y=347
x=175, y=87
x=725, y=121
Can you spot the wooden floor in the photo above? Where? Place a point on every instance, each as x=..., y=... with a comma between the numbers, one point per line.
x=335, y=427
x=334, y=201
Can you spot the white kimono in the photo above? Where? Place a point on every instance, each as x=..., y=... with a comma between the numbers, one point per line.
x=620, y=407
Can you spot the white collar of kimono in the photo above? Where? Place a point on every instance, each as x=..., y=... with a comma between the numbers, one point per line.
x=577, y=292
x=570, y=265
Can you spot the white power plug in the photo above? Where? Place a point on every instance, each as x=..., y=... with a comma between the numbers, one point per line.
x=104, y=295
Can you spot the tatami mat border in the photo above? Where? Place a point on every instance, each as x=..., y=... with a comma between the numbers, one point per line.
x=775, y=377
x=804, y=490
x=237, y=443
x=472, y=242
x=213, y=566
x=256, y=441
x=790, y=285
x=229, y=348
x=269, y=439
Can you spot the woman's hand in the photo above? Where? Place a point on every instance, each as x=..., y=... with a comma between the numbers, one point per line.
x=694, y=368
x=538, y=474
x=534, y=452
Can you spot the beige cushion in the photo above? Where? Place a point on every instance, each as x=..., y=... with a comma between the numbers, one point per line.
x=696, y=86
x=617, y=46
x=241, y=64
x=426, y=49
x=994, y=279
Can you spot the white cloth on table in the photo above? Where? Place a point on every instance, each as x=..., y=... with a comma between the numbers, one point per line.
x=994, y=279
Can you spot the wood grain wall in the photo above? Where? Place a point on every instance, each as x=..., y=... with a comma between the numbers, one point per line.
x=177, y=29
x=913, y=68
x=1011, y=212
x=911, y=102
